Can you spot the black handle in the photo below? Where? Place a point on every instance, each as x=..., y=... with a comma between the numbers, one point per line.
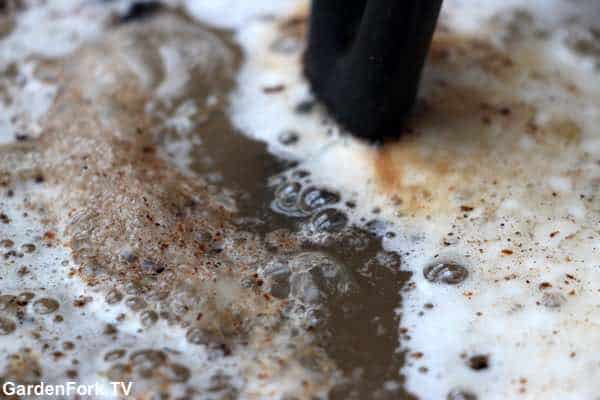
x=365, y=57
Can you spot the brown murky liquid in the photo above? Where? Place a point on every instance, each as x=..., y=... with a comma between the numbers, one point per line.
x=361, y=332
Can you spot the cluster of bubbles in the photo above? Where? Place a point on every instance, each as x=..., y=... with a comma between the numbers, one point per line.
x=295, y=197
x=143, y=364
x=15, y=307
x=151, y=366
x=136, y=303
x=311, y=280
x=445, y=272
x=19, y=252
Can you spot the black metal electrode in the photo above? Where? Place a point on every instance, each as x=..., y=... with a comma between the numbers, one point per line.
x=365, y=57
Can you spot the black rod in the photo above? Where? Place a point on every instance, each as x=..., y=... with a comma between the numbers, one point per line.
x=365, y=57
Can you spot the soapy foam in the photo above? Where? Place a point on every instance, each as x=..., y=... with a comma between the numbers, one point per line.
x=235, y=14
x=48, y=30
x=520, y=218
x=516, y=307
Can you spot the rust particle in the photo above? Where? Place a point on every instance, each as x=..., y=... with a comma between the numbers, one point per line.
x=273, y=89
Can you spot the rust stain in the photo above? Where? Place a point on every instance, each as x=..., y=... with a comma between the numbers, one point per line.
x=389, y=174
x=466, y=134
x=296, y=24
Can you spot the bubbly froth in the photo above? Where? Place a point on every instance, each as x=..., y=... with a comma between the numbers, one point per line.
x=121, y=240
x=489, y=195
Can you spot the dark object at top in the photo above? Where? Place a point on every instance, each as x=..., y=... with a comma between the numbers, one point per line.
x=140, y=10
x=365, y=57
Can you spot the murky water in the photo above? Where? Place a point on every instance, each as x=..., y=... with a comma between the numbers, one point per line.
x=360, y=331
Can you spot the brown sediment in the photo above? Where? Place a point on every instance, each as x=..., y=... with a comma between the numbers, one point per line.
x=6, y=25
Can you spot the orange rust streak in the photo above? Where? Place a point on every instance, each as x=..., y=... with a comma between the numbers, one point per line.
x=460, y=127
x=387, y=171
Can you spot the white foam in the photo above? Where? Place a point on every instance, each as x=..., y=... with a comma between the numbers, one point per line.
x=52, y=29
x=236, y=14
x=49, y=30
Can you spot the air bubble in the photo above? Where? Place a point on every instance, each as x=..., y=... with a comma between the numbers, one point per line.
x=28, y=248
x=286, y=199
x=316, y=278
x=136, y=303
x=114, y=355
x=148, y=318
x=7, y=326
x=277, y=274
x=288, y=138
x=134, y=288
x=313, y=198
x=553, y=300
x=288, y=193
x=45, y=306
x=177, y=373
x=148, y=359
x=460, y=394
x=329, y=220
x=113, y=297
x=24, y=298
x=449, y=273
x=7, y=302
x=118, y=372
x=300, y=174
x=195, y=336
x=305, y=107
